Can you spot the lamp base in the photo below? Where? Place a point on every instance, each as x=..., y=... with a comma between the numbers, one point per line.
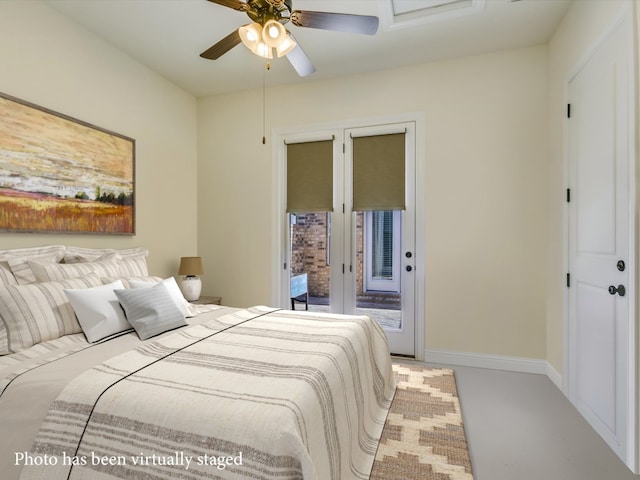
x=191, y=287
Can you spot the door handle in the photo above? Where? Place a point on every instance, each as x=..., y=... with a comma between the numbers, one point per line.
x=620, y=290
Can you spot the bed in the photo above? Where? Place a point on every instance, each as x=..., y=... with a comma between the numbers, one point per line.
x=218, y=392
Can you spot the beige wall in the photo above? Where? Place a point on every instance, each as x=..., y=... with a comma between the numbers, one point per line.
x=494, y=183
x=583, y=25
x=50, y=61
x=486, y=176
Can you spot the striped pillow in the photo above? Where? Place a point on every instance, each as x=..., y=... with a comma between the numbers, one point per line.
x=30, y=314
x=22, y=271
x=150, y=311
x=109, y=266
x=174, y=290
x=6, y=276
x=32, y=252
x=82, y=254
x=126, y=281
x=80, y=259
x=133, y=266
x=129, y=265
x=48, y=253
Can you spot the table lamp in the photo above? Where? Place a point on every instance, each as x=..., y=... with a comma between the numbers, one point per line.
x=191, y=285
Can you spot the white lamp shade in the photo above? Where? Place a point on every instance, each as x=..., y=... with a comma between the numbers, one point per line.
x=251, y=36
x=273, y=33
x=263, y=50
x=285, y=46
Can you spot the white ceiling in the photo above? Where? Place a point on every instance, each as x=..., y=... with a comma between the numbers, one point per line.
x=169, y=35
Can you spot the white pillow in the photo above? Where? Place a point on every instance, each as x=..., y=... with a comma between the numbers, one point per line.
x=174, y=290
x=98, y=310
x=151, y=311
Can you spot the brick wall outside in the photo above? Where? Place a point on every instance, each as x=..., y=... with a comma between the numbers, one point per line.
x=359, y=252
x=309, y=239
x=309, y=251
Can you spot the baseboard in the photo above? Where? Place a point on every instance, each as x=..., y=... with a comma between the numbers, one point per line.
x=495, y=362
x=554, y=376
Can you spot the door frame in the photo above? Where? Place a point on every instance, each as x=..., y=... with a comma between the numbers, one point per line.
x=279, y=225
x=624, y=20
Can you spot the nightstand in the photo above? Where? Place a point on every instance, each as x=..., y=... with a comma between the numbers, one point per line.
x=207, y=300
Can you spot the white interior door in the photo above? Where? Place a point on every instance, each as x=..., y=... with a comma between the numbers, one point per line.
x=601, y=291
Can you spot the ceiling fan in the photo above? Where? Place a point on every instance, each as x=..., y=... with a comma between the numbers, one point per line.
x=267, y=33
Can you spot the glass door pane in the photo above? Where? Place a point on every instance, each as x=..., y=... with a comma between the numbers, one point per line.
x=310, y=272
x=378, y=280
x=382, y=250
x=382, y=246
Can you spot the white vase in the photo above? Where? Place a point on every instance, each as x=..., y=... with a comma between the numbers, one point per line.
x=191, y=287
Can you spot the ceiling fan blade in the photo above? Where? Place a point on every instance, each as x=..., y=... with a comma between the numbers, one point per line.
x=222, y=47
x=235, y=4
x=341, y=22
x=299, y=60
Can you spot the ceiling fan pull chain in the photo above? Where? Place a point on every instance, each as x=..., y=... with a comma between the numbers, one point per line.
x=264, y=102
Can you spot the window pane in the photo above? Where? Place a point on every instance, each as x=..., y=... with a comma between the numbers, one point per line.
x=382, y=245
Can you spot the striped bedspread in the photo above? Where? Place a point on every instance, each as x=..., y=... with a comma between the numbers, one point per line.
x=256, y=394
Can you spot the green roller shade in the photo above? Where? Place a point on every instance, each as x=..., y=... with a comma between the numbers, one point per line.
x=310, y=177
x=378, y=172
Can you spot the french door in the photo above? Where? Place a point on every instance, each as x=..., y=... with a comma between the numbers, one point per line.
x=355, y=259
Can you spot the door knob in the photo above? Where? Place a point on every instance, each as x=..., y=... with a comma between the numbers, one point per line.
x=620, y=290
x=408, y=268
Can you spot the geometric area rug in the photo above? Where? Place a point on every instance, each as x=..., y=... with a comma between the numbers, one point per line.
x=423, y=436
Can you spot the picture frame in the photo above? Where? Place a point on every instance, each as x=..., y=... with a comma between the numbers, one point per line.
x=59, y=174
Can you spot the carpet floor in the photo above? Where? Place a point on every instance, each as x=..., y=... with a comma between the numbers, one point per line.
x=423, y=436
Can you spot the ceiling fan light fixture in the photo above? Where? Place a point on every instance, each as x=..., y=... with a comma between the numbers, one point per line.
x=266, y=33
x=286, y=46
x=250, y=35
x=273, y=33
x=263, y=50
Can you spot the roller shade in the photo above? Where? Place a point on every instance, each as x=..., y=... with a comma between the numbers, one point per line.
x=378, y=172
x=310, y=177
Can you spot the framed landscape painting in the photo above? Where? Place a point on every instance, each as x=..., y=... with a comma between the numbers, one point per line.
x=62, y=175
